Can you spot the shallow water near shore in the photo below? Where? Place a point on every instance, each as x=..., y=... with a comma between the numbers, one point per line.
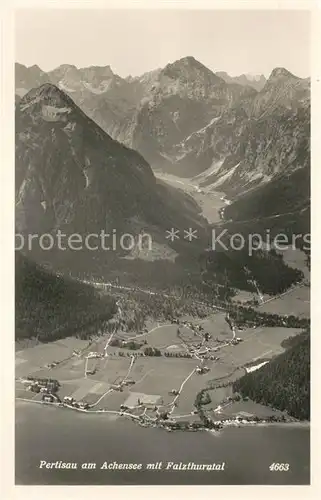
x=52, y=434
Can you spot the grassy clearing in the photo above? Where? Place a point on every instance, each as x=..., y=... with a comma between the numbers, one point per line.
x=296, y=302
x=154, y=375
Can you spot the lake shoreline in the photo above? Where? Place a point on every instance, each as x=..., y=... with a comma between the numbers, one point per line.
x=70, y=437
x=232, y=423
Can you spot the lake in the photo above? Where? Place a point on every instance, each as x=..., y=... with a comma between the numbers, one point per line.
x=53, y=434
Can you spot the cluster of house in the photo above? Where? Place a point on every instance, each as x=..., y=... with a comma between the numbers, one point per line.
x=47, y=386
x=95, y=355
x=119, y=387
x=236, y=340
x=172, y=425
x=128, y=382
x=197, y=349
x=202, y=369
x=147, y=406
x=41, y=384
x=70, y=401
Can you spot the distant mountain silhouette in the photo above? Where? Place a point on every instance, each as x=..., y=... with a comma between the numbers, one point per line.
x=255, y=81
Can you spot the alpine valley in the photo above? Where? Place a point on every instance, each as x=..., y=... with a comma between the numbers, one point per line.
x=160, y=164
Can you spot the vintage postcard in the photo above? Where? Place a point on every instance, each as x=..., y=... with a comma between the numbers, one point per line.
x=162, y=245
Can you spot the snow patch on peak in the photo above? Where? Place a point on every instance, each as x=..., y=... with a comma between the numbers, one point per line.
x=101, y=89
x=64, y=87
x=203, y=129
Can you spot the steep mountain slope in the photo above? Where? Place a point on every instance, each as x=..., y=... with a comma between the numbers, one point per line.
x=281, y=206
x=283, y=90
x=65, y=163
x=193, y=122
x=74, y=178
x=289, y=192
x=264, y=148
x=185, y=97
x=258, y=139
x=50, y=307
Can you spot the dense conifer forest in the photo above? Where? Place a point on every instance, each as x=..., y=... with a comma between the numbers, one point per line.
x=239, y=269
x=50, y=307
x=283, y=383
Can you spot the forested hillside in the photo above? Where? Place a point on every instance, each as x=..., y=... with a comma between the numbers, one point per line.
x=49, y=307
x=283, y=383
x=280, y=206
x=238, y=269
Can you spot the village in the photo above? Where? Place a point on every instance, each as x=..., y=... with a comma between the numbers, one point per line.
x=158, y=377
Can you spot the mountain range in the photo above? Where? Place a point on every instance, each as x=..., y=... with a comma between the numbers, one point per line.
x=187, y=120
x=255, y=81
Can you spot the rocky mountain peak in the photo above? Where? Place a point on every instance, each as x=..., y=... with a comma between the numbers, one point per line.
x=188, y=61
x=47, y=93
x=35, y=67
x=28, y=77
x=280, y=73
x=102, y=71
x=189, y=67
x=67, y=67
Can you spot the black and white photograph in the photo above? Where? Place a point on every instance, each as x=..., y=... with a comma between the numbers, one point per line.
x=162, y=246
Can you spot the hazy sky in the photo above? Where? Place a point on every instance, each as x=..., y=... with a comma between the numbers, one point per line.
x=133, y=42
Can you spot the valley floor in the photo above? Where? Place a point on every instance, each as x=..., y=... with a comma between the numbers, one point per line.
x=209, y=202
x=148, y=386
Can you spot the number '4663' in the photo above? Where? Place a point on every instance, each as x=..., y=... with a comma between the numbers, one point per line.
x=279, y=467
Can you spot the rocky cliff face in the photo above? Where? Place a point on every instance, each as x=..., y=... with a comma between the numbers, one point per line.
x=184, y=98
x=257, y=151
x=256, y=139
